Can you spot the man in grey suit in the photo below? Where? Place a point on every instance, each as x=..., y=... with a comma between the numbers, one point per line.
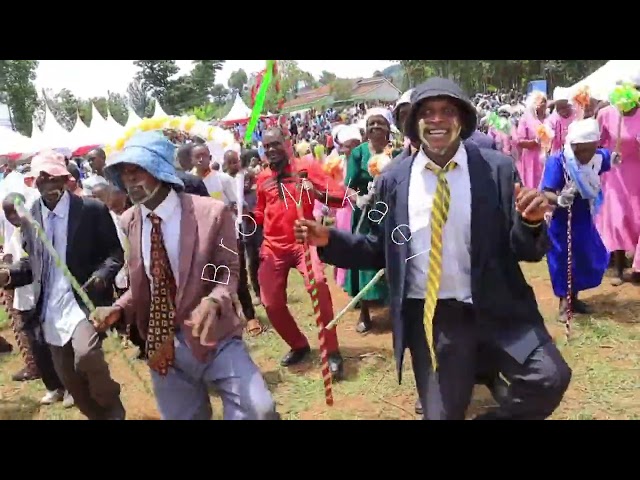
x=486, y=314
x=85, y=238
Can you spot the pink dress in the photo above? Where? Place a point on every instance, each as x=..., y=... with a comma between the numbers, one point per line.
x=619, y=220
x=530, y=165
x=343, y=222
x=559, y=126
x=501, y=139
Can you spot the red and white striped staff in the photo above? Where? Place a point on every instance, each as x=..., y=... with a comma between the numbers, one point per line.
x=315, y=301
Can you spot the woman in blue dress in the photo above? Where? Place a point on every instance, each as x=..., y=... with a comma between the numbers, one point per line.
x=572, y=179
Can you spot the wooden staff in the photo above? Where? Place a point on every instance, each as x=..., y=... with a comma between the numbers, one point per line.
x=315, y=301
x=567, y=325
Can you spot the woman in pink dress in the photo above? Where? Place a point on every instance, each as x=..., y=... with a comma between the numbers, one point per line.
x=560, y=119
x=619, y=220
x=348, y=138
x=532, y=159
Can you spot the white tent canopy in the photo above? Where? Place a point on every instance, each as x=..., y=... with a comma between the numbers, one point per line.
x=115, y=130
x=239, y=111
x=53, y=135
x=602, y=82
x=14, y=142
x=133, y=120
x=159, y=113
x=81, y=135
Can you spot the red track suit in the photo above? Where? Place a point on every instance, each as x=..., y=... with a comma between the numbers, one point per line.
x=276, y=210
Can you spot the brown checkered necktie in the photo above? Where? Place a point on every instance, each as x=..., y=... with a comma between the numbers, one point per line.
x=161, y=331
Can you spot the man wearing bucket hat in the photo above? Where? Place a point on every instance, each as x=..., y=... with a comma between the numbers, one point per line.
x=183, y=276
x=85, y=238
x=457, y=224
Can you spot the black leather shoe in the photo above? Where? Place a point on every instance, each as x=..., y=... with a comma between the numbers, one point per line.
x=580, y=307
x=295, y=356
x=116, y=413
x=336, y=366
x=419, y=410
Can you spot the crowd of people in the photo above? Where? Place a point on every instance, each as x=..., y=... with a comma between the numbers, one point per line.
x=177, y=248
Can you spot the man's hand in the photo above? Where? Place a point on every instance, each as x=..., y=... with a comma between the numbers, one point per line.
x=202, y=320
x=531, y=204
x=7, y=258
x=104, y=318
x=312, y=232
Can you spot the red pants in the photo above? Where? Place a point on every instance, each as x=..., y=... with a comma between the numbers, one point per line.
x=273, y=275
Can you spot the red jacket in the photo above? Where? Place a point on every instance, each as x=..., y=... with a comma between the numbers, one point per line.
x=277, y=204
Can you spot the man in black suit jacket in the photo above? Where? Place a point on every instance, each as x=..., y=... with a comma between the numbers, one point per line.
x=85, y=238
x=192, y=183
x=486, y=313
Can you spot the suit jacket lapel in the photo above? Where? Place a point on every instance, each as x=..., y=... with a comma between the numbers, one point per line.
x=38, y=249
x=188, y=223
x=483, y=203
x=75, y=212
x=400, y=208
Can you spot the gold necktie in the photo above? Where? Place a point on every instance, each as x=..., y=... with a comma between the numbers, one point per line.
x=439, y=213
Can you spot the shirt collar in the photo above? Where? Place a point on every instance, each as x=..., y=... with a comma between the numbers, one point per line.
x=166, y=209
x=61, y=209
x=460, y=158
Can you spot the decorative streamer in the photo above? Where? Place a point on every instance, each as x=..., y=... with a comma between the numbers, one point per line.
x=79, y=289
x=499, y=123
x=259, y=103
x=324, y=354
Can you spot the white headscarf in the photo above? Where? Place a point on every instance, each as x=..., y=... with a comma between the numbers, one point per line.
x=383, y=112
x=533, y=99
x=585, y=178
x=561, y=93
x=349, y=132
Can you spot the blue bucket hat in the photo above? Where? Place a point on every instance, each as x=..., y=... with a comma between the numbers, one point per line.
x=151, y=151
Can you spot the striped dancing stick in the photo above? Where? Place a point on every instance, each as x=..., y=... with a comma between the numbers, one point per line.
x=567, y=325
x=324, y=354
x=569, y=276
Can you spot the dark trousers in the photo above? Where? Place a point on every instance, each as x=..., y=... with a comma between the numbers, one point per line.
x=243, y=286
x=32, y=328
x=535, y=388
x=81, y=365
x=252, y=246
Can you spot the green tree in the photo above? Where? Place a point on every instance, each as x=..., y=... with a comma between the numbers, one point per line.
x=237, y=80
x=326, y=78
x=138, y=98
x=341, y=89
x=203, y=78
x=155, y=76
x=18, y=92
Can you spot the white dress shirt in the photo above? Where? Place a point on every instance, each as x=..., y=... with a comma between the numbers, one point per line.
x=61, y=312
x=455, y=282
x=221, y=186
x=122, y=281
x=170, y=211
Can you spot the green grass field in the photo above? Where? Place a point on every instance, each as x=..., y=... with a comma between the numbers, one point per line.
x=604, y=354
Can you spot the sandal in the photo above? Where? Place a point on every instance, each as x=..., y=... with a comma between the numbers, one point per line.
x=254, y=328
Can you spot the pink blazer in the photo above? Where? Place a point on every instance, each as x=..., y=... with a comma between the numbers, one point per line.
x=205, y=224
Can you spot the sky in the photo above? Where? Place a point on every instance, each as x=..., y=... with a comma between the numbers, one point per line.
x=89, y=78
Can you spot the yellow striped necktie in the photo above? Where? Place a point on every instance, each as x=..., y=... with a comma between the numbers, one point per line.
x=439, y=214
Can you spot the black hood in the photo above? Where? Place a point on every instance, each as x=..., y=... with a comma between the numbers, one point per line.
x=441, y=87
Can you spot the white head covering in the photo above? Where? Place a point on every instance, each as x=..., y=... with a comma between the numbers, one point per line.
x=362, y=124
x=583, y=131
x=336, y=130
x=404, y=99
x=533, y=98
x=632, y=78
x=561, y=93
x=383, y=112
x=349, y=132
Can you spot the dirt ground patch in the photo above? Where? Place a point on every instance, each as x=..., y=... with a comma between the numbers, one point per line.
x=604, y=354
